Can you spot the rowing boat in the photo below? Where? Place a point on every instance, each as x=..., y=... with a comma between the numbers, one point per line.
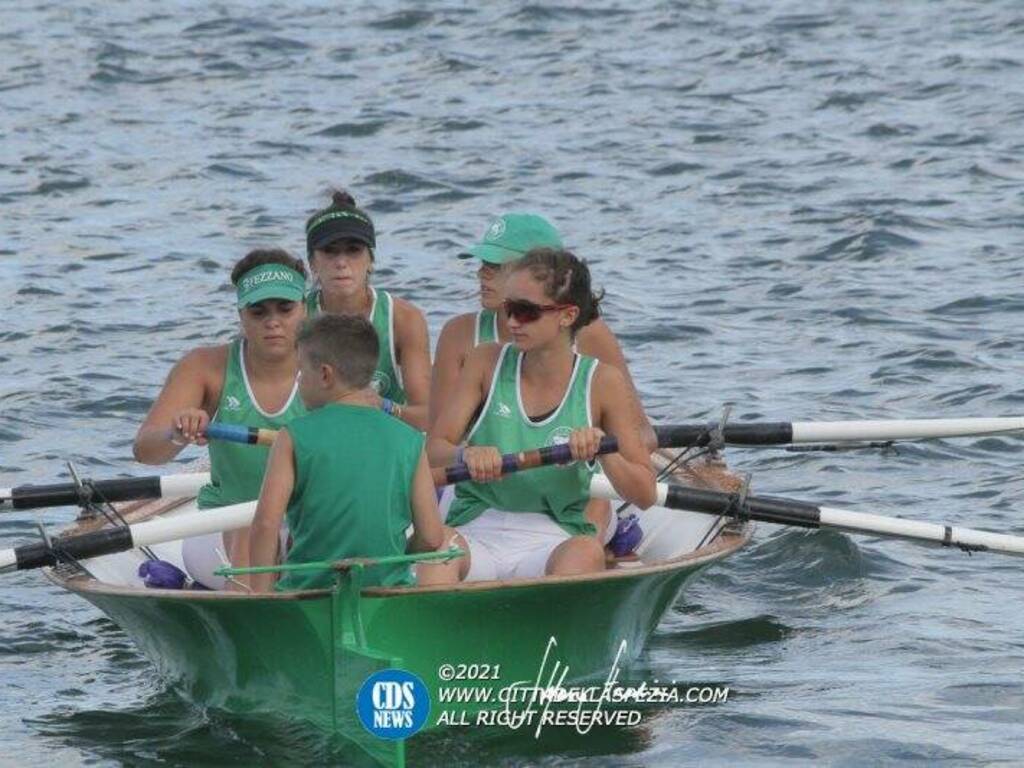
x=306, y=654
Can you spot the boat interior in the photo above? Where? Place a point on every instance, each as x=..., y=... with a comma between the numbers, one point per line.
x=669, y=536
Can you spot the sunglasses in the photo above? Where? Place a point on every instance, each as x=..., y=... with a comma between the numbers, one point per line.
x=527, y=312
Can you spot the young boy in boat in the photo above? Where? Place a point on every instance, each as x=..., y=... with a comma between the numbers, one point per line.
x=538, y=391
x=340, y=244
x=507, y=240
x=348, y=477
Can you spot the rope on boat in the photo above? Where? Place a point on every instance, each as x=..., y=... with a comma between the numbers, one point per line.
x=87, y=490
x=93, y=504
x=709, y=440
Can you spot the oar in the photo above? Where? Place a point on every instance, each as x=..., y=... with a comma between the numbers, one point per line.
x=237, y=433
x=517, y=462
x=758, y=433
x=188, y=484
x=110, y=540
x=128, y=488
x=797, y=432
x=118, y=489
x=669, y=436
x=107, y=541
x=457, y=473
x=783, y=511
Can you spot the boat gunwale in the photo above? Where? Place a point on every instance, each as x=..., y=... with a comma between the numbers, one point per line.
x=724, y=544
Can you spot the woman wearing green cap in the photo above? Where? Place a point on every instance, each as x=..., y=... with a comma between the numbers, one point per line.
x=250, y=381
x=340, y=240
x=538, y=390
x=506, y=242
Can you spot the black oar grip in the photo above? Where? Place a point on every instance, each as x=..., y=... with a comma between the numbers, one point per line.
x=696, y=435
x=68, y=494
x=83, y=546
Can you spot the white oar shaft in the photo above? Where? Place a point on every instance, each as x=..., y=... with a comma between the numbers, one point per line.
x=904, y=429
x=191, y=524
x=100, y=491
x=186, y=484
x=791, y=512
x=880, y=525
x=145, y=534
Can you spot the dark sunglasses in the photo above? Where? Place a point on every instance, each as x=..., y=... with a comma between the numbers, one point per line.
x=527, y=312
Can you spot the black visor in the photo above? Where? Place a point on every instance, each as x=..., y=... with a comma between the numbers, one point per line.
x=339, y=225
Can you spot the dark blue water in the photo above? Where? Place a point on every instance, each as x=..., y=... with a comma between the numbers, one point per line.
x=808, y=209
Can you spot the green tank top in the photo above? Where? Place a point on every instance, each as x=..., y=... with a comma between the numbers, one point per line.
x=486, y=327
x=354, y=468
x=387, y=379
x=236, y=471
x=560, y=491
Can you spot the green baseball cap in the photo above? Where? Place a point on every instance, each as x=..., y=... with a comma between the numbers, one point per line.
x=510, y=236
x=270, y=281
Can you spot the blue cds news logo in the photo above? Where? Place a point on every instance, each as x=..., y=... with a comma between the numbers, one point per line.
x=393, y=704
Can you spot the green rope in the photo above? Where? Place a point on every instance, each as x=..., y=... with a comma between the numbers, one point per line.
x=325, y=565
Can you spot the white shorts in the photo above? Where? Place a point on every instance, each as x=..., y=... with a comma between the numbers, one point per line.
x=202, y=555
x=510, y=545
x=448, y=496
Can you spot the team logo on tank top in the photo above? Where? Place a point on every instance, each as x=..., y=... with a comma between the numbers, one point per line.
x=232, y=403
x=380, y=382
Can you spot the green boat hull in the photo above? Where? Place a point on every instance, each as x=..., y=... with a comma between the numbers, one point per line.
x=306, y=654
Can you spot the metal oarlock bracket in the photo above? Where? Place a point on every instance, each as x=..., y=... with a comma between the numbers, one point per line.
x=716, y=434
x=738, y=504
x=85, y=491
x=43, y=534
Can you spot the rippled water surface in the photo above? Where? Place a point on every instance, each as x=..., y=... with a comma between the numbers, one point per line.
x=808, y=209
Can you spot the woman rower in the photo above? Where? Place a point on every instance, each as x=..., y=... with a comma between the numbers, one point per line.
x=506, y=241
x=538, y=391
x=250, y=381
x=340, y=240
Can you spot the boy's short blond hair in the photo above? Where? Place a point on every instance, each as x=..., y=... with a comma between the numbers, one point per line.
x=347, y=343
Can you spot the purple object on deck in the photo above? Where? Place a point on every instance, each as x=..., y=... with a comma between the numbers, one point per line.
x=628, y=535
x=159, y=574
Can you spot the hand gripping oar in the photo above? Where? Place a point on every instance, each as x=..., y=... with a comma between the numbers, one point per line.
x=107, y=541
x=457, y=473
x=237, y=433
x=798, y=432
x=516, y=462
x=188, y=484
x=782, y=511
x=128, y=488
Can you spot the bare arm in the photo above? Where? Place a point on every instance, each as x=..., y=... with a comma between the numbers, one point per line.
x=453, y=421
x=183, y=408
x=453, y=346
x=412, y=347
x=427, y=531
x=278, y=483
x=629, y=470
x=597, y=340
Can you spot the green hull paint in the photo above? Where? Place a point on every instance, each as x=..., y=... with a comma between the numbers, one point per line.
x=306, y=654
